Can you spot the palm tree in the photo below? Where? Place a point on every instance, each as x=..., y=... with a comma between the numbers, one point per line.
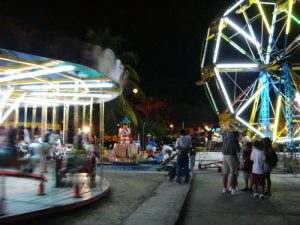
x=123, y=104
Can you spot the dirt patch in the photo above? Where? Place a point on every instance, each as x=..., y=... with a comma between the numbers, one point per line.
x=128, y=191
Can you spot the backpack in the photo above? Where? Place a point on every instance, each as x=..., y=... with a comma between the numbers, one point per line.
x=273, y=160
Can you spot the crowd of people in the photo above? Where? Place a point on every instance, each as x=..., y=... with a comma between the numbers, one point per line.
x=256, y=160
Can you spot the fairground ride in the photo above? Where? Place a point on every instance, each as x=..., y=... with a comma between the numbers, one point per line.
x=31, y=84
x=250, y=67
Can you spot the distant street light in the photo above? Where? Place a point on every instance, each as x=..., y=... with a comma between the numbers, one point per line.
x=135, y=90
x=171, y=126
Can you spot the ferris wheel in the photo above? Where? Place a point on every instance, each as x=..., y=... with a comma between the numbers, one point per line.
x=250, y=66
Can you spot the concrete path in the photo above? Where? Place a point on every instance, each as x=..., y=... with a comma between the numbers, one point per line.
x=163, y=207
x=206, y=205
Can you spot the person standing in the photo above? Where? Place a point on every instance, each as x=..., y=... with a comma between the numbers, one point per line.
x=247, y=166
x=183, y=145
x=258, y=157
x=230, y=150
x=271, y=161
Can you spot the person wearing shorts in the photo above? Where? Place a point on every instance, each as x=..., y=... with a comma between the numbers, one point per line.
x=258, y=157
x=230, y=162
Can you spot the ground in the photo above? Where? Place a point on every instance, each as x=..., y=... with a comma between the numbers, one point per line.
x=128, y=191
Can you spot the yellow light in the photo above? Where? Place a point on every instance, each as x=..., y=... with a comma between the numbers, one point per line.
x=288, y=25
x=86, y=130
x=277, y=117
x=135, y=90
x=263, y=16
x=171, y=126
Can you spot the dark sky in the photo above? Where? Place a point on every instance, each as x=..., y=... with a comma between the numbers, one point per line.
x=167, y=36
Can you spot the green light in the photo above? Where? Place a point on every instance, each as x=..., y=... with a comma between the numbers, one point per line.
x=288, y=25
x=295, y=18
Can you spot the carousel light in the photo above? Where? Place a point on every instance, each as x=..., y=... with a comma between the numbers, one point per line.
x=232, y=8
x=224, y=90
x=66, y=86
x=218, y=40
x=45, y=101
x=242, y=32
x=250, y=99
x=41, y=72
x=11, y=109
x=86, y=130
x=78, y=95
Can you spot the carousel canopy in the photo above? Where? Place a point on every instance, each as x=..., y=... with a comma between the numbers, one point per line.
x=34, y=80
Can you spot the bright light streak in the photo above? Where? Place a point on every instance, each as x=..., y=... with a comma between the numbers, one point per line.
x=78, y=95
x=250, y=127
x=20, y=62
x=285, y=139
x=293, y=17
x=46, y=101
x=86, y=130
x=205, y=48
x=40, y=102
x=218, y=41
x=232, y=8
x=12, y=108
x=263, y=16
x=66, y=86
x=277, y=113
x=41, y=72
x=212, y=98
x=224, y=90
x=269, y=49
x=250, y=100
x=236, y=66
x=238, y=29
x=288, y=25
x=5, y=95
x=298, y=98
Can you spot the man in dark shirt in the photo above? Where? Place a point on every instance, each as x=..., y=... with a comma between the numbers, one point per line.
x=230, y=161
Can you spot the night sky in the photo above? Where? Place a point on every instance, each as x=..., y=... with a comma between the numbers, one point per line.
x=167, y=36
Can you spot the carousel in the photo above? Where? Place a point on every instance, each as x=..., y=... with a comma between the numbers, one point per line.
x=44, y=102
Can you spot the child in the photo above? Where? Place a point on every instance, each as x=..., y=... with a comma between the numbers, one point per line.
x=247, y=166
x=258, y=157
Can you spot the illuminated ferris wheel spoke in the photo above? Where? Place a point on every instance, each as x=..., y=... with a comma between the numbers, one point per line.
x=253, y=53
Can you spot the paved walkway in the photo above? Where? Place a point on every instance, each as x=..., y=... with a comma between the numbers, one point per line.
x=206, y=205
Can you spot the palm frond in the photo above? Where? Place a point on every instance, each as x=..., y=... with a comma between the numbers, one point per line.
x=128, y=110
x=133, y=75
